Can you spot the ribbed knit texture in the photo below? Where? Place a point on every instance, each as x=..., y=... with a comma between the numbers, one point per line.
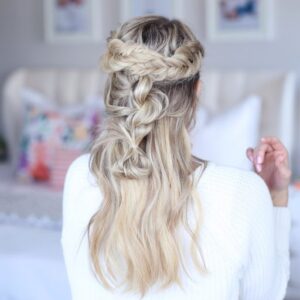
x=244, y=239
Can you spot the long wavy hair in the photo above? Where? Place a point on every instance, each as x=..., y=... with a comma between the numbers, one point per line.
x=142, y=156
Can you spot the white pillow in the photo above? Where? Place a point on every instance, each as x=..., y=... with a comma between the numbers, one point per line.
x=225, y=137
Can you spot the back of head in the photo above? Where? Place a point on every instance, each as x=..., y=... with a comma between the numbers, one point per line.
x=142, y=157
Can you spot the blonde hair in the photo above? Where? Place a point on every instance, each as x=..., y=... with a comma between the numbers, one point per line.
x=142, y=157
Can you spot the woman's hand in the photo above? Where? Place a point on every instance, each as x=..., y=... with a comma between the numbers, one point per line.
x=271, y=161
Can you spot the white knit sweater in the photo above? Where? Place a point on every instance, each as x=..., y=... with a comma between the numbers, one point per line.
x=244, y=239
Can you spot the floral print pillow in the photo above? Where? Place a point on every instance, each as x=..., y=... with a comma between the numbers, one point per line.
x=47, y=129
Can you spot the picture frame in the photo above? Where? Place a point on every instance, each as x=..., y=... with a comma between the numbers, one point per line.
x=68, y=21
x=231, y=20
x=167, y=8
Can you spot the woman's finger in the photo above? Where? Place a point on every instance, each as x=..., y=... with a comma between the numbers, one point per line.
x=274, y=142
x=256, y=156
x=260, y=151
x=249, y=153
x=276, y=151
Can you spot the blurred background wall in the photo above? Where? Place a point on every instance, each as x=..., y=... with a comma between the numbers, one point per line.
x=22, y=42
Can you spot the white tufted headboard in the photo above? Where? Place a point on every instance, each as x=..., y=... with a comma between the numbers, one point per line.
x=220, y=91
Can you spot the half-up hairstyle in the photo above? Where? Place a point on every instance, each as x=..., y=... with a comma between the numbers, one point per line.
x=142, y=156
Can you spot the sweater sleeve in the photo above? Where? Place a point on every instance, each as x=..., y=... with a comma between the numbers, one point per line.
x=78, y=206
x=266, y=271
x=71, y=225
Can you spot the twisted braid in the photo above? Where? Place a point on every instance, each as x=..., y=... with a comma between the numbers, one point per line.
x=142, y=68
x=149, y=106
x=139, y=60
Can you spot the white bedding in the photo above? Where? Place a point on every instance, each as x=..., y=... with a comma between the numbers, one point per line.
x=27, y=200
x=31, y=264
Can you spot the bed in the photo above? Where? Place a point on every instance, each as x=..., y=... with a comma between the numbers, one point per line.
x=31, y=262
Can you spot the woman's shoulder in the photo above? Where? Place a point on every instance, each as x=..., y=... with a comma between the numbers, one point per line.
x=81, y=195
x=240, y=184
x=229, y=174
x=78, y=174
x=80, y=163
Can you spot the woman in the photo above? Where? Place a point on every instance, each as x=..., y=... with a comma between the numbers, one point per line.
x=142, y=216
